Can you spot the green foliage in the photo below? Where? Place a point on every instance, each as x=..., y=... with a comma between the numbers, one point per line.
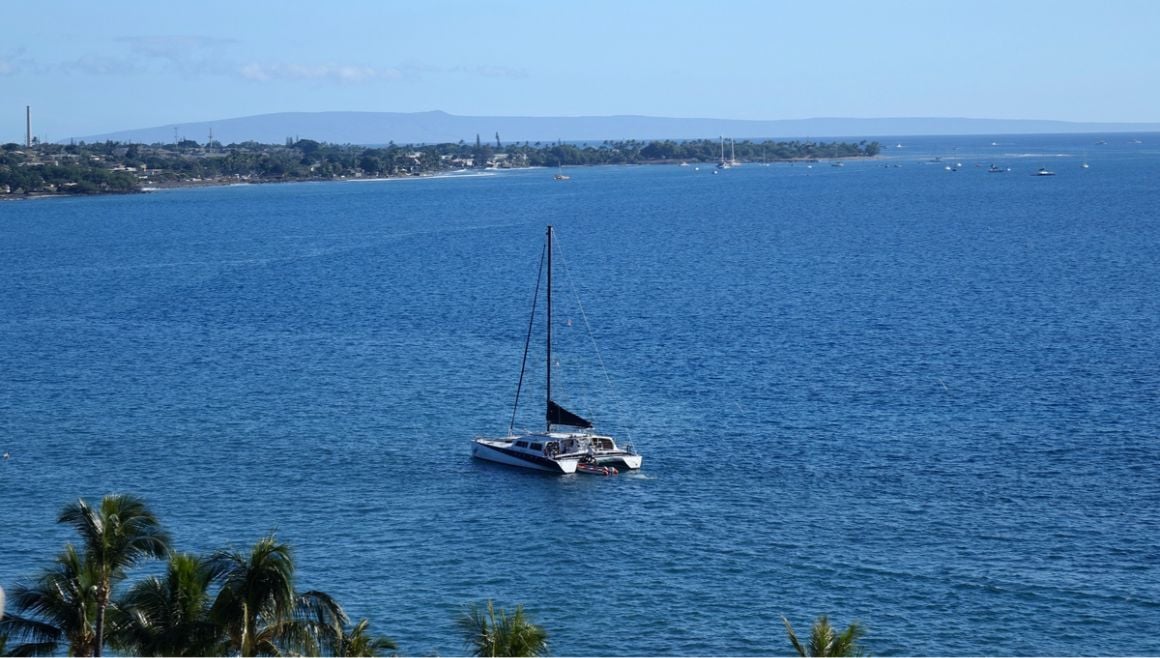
x=824, y=642
x=58, y=608
x=358, y=642
x=116, y=167
x=170, y=616
x=490, y=633
x=257, y=595
x=231, y=603
x=118, y=534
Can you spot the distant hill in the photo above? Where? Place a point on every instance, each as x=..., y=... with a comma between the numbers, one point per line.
x=373, y=128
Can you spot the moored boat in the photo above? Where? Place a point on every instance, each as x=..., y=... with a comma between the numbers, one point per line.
x=555, y=449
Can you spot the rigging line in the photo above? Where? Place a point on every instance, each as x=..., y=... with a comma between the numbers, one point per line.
x=583, y=315
x=528, y=340
x=584, y=392
x=588, y=328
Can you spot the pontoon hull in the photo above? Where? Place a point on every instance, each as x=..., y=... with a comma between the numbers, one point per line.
x=621, y=461
x=501, y=453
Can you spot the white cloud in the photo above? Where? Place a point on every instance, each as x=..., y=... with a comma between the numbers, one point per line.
x=254, y=72
x=174, y=46
x=187, y=56
x=343, y=74
x=483, y=71
x=15, y=61
x=495, y=72
x=101, y=65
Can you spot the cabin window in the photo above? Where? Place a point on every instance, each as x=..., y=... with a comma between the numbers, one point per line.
x=521, y=444
x=537, y=446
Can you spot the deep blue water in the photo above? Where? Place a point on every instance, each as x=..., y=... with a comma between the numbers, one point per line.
x=921, y=399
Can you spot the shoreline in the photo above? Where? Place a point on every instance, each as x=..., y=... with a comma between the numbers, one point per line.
x=458, y=173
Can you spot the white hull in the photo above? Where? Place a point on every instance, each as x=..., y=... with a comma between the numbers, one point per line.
x=620, y=461
x=501, y=451
x=555, y=452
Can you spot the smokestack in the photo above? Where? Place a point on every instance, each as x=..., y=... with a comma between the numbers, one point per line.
x=28, y=126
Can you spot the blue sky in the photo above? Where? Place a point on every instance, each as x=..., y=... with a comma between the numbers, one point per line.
x=92, y=67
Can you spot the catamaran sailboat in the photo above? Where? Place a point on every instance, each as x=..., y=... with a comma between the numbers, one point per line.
x=568, y=443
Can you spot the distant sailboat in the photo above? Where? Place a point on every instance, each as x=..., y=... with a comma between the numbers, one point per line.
x=723, y=164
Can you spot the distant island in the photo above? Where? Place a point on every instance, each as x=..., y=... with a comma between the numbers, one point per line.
x=112, y=167
x=436, y=127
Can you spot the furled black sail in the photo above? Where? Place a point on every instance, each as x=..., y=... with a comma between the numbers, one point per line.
x=558, y=415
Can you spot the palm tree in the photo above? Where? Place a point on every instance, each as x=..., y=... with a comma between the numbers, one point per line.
x=257, y=596
x=321, y=628
x=58, y=607
x=824, y=643
x=490, y=635
x=170, y=616
x=359, y=643
x=115, y=536
x=260, y=614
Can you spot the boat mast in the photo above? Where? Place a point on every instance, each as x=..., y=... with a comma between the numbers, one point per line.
x=548, y=403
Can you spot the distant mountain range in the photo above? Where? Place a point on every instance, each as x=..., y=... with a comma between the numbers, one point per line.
x=376, y=128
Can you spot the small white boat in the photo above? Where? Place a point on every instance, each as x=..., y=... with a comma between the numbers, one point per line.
x=555, y=450
x=1044, y=171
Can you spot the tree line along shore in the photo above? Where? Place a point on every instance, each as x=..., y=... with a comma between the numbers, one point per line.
x=117, y=168
x=231, y=602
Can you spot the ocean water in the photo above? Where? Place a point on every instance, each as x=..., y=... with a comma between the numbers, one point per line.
x=921, y=399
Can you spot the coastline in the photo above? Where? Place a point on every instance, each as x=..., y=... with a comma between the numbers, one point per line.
x=227, y=181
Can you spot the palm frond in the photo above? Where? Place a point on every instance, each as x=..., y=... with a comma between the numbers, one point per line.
x=170, y=615
x=257, y=593
x=821, y=637
x=117, y=534
x=476, y=626
x=493, y=633
x=793, y=638
x=359, y=643
x=28, y=637
x=58, y=606
x=846, y=644
x=824, y=643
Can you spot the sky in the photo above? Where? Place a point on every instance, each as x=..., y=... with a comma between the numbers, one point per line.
x=87, y=68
